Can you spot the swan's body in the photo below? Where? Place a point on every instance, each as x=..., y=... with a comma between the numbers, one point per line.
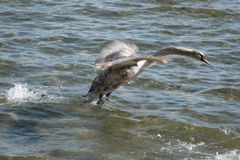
x=121, y=64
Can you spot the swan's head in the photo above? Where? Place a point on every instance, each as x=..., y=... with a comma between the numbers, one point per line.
x=185, y=51
x=200, y=56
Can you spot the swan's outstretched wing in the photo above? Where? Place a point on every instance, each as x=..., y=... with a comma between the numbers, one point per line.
x=133, y=61
x=115, y=51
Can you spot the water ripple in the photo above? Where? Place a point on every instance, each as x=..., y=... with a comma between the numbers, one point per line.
x=181, y=110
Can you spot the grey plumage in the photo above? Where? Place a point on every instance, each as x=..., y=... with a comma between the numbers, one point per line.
x=121, y=64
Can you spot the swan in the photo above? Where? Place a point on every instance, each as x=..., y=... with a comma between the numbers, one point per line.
x=121, y=64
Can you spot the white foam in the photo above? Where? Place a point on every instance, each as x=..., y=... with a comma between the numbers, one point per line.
x=21, y=93
x=228, y=130
x=190, y=146
x=179, y=146
x=231, y=155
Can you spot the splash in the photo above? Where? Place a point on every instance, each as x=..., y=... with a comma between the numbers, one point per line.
x=231, y=155
x=21, y=93
x=190, y=146
x=197, y=149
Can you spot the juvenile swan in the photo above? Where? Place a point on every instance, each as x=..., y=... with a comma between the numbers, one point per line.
x=121, y=64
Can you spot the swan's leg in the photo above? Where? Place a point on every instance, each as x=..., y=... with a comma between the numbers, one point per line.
x=101, y=97
x=107, y=95
x=100, y=101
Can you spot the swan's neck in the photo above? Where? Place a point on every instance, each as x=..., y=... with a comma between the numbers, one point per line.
x=176, y=51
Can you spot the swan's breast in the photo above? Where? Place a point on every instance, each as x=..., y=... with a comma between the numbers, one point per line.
x=139, y=66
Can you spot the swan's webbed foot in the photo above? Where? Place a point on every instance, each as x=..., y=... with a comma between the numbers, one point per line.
x=102, y=98
x=100, y=101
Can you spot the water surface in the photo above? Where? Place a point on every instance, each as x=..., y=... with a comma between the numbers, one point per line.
x=182, y=110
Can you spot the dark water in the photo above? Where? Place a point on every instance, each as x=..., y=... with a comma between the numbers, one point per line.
x=181, y=110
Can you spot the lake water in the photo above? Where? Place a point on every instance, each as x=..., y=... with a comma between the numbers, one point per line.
x=182, y=110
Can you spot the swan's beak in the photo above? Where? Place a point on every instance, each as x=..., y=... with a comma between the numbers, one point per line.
x=205, y=60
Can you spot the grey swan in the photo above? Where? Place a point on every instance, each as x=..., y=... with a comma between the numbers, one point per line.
x=121, y=64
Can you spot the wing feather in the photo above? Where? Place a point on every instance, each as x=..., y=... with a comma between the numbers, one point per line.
x=114, y=51
x=133, y=61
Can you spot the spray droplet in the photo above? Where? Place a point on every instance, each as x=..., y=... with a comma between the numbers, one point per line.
x=20, y=93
